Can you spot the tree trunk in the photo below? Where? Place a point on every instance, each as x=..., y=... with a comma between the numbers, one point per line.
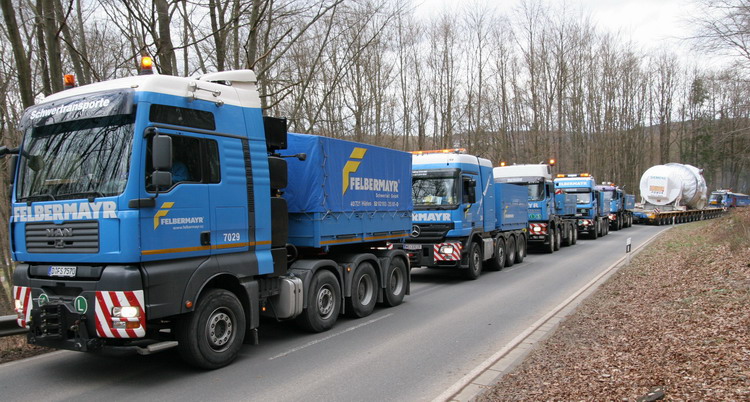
x=23, y=66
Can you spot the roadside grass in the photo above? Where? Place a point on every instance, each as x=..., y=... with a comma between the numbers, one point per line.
x=676, y=318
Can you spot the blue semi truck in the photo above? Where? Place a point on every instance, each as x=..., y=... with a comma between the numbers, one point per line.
x=552, y=220
x=153, y=212
x=728, y=199
x=621, y=205
x=592, y=210
x=462, y=219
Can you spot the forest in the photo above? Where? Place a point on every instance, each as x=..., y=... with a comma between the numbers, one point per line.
x=518, y=84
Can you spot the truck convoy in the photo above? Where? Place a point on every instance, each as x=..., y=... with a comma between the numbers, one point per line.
x=592, y=210
x=552, y=220
x=463, y=219
x=673, y=193
x=728, y=199
x=153, y=212
x=620, y=205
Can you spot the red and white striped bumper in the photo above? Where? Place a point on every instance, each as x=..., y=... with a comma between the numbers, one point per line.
x=109, y=326
x=538, y=229
x=453, y=255
x=22, y=297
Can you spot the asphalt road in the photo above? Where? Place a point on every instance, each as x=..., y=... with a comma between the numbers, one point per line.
x=444, y=329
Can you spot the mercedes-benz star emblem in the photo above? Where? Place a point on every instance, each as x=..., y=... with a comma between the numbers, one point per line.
x=415, y=231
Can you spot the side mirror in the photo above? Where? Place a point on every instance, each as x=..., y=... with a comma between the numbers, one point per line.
x=161, y=152
x=161, y=179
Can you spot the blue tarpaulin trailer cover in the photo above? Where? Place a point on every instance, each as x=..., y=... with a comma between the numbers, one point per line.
x=345, y=191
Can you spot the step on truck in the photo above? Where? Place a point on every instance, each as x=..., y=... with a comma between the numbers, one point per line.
x=591, y=210
x=621, y=205
x=552, y=220
x=673, y=193
x=462, y=219
x=153, y=212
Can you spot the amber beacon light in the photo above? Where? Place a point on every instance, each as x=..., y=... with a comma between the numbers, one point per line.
x=147, y=65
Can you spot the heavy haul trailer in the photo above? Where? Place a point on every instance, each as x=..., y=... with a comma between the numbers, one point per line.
x=592, y=210
x=462, y=219
x=620, y=206
x=673, y=193
x=154, y=211
x=552, y=220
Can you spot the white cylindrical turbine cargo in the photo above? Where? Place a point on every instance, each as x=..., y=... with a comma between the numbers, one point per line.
x=674, y=184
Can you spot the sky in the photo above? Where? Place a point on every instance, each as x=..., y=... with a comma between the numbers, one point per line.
x=651, y=24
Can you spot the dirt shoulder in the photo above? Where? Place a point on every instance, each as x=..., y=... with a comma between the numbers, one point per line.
x=676, y=318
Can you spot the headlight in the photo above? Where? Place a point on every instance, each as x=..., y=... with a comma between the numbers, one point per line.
x=19, y=305
x=126, y=312
x=446, y=249
x=536, y=229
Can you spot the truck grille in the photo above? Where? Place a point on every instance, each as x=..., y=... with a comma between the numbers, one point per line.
x=67, y=238
x=429, y=232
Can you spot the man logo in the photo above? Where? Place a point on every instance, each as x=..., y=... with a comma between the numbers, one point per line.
x=415, y=231
x=351, y=167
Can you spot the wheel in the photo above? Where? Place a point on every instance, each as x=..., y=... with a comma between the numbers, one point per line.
x=323, y=303
x=520, y=248
x=364, y=291
x=550, y=248
x=396, y=280
x=498, y=260
x=558, y=239
x=605, y=227
x=211, y=336
x=568, y=238
x=510, y=256
x=475, y=262
x=575, y=235
x=594, y=232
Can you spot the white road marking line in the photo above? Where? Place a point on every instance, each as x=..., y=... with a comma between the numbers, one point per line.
x=290, y=351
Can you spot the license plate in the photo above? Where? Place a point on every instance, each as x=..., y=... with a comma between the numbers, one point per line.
x=66, y=272
x=412, y=246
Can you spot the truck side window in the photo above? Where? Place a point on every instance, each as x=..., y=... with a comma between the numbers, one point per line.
x=180, y=116
x=194, y=160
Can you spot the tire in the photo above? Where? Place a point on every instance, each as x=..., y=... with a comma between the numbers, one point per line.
x=520, y=248
x=568, y=238
x=558, y=239
x=475, y=262
x=365, y=289
x=396, y=282
x=323, y=303
x=498, y=260
x=510, y=256
x=550, y=248
x=212, y=335
x=594, y=233
x=575, y=235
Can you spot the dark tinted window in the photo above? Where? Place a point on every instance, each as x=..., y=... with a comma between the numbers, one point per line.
x=179, y=116
x=194, y=160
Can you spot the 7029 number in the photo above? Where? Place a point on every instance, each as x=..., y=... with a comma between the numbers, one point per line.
x=231, y=237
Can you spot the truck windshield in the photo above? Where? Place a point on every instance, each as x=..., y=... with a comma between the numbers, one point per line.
x=583, y=195
x=429, y=192
x=536, y=191
x=76, y=159
x=715, y=199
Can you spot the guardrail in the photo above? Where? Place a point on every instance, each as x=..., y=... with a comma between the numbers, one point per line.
x=9, y=327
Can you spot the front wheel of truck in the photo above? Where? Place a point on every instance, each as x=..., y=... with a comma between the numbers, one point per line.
x=211, y=336
x=475, y=262
x=323, y=303
x=396, y=282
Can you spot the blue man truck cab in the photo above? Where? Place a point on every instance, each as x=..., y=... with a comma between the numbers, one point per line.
x=552, y=220
x=461, y=218
x=153, y=212
x=620, y=205
x=592, y=208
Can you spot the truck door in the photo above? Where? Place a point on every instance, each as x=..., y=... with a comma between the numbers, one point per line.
x=178, y=225
x=469, y=204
